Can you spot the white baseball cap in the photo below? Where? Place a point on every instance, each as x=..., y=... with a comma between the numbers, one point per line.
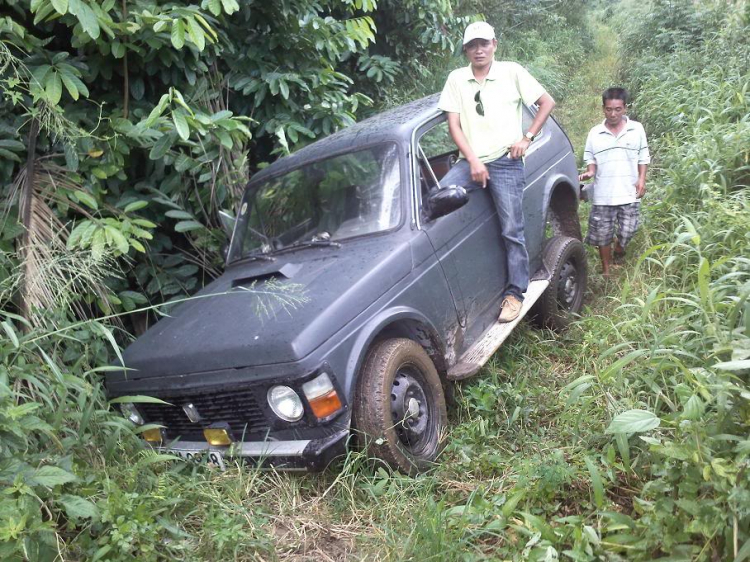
x=478, y=30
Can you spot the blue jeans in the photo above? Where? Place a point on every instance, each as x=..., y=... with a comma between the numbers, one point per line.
x=507, y=182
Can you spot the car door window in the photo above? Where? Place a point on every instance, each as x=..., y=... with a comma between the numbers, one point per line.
x=437, y=153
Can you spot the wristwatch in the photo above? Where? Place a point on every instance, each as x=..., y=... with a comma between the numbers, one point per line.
x=529, y=135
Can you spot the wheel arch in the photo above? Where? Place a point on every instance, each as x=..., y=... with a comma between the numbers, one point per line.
x=400, y=322
x=561, y=207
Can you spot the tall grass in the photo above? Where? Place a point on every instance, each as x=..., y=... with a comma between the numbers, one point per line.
x=678, y=389
x=76, y=482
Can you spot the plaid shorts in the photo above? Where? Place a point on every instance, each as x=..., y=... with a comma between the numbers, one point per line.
x=602, y=223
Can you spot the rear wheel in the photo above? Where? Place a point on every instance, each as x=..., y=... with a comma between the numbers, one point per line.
x=565, y=259
x=400, y=407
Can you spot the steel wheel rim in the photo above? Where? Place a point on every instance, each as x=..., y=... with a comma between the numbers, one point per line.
x=412, y=410
x=568, y=285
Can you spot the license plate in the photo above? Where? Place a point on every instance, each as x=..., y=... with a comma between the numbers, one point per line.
x=211, y=457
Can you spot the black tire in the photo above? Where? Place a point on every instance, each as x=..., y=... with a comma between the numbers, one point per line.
x=399, y=408
x=565, y=259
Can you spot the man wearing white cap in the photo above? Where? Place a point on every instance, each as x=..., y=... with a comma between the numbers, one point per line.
x=484, y=102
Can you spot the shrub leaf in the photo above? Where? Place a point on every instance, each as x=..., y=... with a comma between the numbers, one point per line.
x=634, y=421
x=51, y=476
x=78, y=507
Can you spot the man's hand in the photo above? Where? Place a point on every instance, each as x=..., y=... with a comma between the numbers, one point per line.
x=519, y=149
x=587, y=175
x=640, y=188
x=479, y=172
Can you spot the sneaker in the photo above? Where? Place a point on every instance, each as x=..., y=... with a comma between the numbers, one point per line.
x=510, y=310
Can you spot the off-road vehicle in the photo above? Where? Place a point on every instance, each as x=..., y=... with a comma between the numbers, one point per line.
x=403, y=280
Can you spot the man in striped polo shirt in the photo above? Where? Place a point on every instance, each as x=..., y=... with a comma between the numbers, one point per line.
x=617, y=157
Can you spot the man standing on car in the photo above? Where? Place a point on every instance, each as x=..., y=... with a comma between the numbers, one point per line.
x=617, y=157
x=484, y=102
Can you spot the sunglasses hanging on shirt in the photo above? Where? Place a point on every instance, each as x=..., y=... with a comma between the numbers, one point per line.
x=480, y=107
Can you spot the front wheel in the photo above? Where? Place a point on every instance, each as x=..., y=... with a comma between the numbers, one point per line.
x=565, y=259
x=400, y=407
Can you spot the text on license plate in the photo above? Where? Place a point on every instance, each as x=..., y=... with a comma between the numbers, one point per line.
x=213, y=457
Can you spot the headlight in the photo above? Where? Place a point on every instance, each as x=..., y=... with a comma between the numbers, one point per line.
x=285, y=403
x=132, y=413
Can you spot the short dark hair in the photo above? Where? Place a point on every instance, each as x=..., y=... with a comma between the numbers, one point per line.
x=615, y=94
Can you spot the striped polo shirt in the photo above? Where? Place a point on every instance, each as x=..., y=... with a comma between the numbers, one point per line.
x=617, y=158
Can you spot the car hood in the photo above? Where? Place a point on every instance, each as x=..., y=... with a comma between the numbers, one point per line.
x=262, y=313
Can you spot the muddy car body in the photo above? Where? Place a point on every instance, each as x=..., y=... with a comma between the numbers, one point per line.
x=402, y=280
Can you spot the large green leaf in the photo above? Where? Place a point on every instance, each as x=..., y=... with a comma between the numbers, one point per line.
x=743, y=553
x=186, y=226
x=87, y=199
x=230, y=6
x=61, y=6
x=214, y=6
x=178, y=214
x=196, y=33
x=180, y=124
x=87, y=18
x=51, y=476
x=740, y=365
x=119, y=240
x=634, y=421
x=12, y=144
x=70, y=85
x=53, y=88
x=596, y=482
x=11, y=332
x=78, y=507
x=9, y=155
x=178, y=34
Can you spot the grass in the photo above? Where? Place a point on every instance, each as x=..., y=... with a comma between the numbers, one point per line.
x=582, y=109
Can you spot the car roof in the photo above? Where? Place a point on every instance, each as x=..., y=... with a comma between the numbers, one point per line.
x=396, y=124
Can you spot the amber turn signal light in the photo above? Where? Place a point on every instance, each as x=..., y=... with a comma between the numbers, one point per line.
x=217, y=436
x=321, y=395
x=153, y=435
x=325, y=405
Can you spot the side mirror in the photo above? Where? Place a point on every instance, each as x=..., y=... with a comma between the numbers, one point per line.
x=584, y=192
x=446, y=200
x=227, y=223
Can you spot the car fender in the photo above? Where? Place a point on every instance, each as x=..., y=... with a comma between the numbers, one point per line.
x=552, y=182
x=380, y=322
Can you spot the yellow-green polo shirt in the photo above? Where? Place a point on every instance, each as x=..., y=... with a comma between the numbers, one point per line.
x=507, y=87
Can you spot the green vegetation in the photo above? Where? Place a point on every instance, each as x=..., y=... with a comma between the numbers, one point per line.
x=626, y=437
x=127, y=125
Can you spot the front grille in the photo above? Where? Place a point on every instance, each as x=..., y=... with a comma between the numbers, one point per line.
x=237, y=407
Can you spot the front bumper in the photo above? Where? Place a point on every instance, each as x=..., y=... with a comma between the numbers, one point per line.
x=306, y=454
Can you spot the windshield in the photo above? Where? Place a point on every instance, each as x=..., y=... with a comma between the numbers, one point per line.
x=349, y=195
